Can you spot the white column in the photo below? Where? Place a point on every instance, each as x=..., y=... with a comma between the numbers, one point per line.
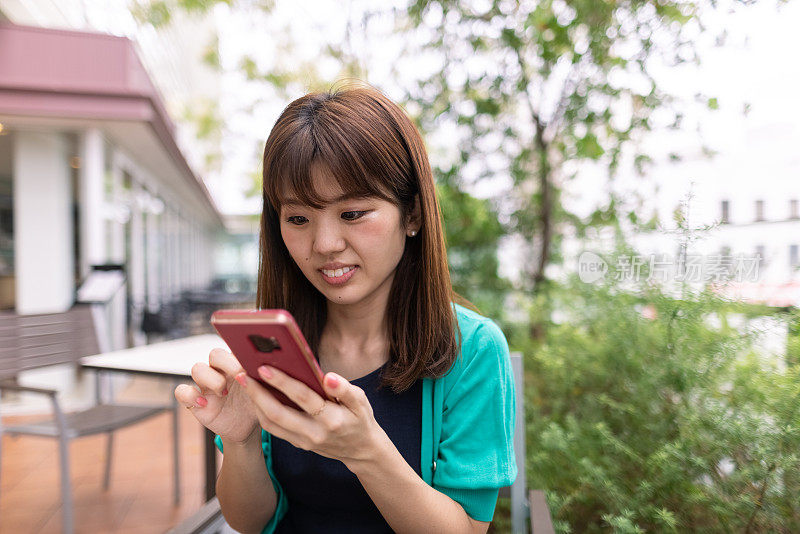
x=92, y=241
x=205, y=259
x=118, y=305
x=180, y=246
x=136, y=262
x=154, y=256
x=177, y=244
x=43, y=229
x=165, y=244
x=195, y=263
x=117, y=252
x=186, y=280
x=173, y=254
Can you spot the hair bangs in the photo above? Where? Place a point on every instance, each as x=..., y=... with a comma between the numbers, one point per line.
x=327, y=143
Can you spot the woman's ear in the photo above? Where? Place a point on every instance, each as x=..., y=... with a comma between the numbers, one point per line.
x=414, y=219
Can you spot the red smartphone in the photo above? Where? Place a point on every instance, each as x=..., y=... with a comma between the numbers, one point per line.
x=271, y=337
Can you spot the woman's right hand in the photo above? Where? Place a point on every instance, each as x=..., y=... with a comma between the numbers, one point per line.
x=221, y=405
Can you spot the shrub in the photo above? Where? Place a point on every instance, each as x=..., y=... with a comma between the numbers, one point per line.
x=667, y=421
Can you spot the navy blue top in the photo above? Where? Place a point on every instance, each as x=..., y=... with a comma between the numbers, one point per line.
x=323, y=495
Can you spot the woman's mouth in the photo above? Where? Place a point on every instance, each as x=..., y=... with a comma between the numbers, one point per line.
x=338, y=276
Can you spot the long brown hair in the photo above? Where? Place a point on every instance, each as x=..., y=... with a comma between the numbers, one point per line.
x=371, y=147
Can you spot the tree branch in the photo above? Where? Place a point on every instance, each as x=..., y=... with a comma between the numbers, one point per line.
x=760, y=500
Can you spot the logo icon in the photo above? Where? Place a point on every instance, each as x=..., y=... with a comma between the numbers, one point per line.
x=591, y=267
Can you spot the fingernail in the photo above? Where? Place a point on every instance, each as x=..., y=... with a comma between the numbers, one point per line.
x=265, y=373
x=201, y=401
x=225, y=391
x=242, y=379
x=332, y=381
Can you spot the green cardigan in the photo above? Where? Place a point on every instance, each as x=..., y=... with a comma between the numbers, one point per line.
x=467, y=423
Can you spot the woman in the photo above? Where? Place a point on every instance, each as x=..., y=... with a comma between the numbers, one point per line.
x=352, y=245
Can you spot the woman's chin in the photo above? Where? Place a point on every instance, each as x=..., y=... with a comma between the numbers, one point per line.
x=341, y=297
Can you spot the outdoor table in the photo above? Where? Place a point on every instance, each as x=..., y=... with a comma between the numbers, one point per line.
x=168, y=359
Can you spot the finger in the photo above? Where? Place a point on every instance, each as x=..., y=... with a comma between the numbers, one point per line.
x=282, y=433
x=288, y=418
x=209, y=380
x=225, y=362
x=305, y=397
x=352, y=397
x=188, y=396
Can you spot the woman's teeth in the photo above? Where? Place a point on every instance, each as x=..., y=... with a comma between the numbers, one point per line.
x=337, y=272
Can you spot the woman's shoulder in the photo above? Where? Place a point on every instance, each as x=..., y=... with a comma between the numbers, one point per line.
x=483, y=343
x=476, y=328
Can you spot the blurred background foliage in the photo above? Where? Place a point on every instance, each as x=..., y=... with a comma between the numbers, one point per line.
x=667, y=421
x=647, y=413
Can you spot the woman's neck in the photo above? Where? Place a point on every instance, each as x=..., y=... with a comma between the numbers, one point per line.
x=355, y=335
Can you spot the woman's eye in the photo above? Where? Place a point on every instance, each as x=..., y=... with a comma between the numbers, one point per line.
x=352, y=215
x=296, y=220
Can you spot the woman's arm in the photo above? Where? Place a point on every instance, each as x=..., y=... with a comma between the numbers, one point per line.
x=347, y=431
x=244, y=488
x=406, y=502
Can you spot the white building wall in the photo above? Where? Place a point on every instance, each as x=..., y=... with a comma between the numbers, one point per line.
x=43, y=233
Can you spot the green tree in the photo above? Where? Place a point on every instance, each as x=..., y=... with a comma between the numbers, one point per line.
x=472, y=233
x=538, y=84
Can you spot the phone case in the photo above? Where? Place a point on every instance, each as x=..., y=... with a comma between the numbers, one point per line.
x=272, y=337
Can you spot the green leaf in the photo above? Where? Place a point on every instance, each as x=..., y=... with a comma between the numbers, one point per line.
x=588, y=147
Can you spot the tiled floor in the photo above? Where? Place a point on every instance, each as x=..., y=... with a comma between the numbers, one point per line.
x=140, y=498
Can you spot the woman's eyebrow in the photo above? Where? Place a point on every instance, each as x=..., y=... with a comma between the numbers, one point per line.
x=291, y=201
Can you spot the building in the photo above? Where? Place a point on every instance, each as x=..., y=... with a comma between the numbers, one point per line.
x=91, y=174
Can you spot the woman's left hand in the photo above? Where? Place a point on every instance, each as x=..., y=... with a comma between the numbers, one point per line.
x=346, y=431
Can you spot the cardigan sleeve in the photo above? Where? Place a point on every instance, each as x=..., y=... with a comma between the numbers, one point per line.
x=282, y=505
x=476, y=448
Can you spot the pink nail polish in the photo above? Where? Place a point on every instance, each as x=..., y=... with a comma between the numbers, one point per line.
x=225, y=391
x=265, y=372
x=242, y=379
x=332, y=381
x=201, y=401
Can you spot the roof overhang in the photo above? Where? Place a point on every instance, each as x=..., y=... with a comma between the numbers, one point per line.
x=68, y=79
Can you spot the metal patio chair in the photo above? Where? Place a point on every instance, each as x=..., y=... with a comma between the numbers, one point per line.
x=35, y=341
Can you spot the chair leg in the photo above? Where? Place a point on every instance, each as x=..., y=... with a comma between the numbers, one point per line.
x=109, y=450
x=66, y=489
x=176, y=463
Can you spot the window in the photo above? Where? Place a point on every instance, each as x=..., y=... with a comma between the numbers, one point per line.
x=794, y=210
x=759, y=210
x=725, y=212
x=794, y=261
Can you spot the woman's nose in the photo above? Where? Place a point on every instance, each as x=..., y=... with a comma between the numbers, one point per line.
x=328, y=239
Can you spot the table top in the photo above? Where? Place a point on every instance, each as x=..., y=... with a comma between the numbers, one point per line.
x=173, y=358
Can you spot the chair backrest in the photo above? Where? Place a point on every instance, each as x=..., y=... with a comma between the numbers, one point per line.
x=517, y=491
x=32, y=341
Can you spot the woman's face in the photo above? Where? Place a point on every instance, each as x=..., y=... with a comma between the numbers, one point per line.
x=349, y=249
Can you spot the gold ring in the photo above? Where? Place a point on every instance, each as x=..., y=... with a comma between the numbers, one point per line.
x=189, y=407
x=320, y=410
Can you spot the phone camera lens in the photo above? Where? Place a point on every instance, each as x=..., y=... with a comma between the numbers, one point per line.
x=264, y=344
